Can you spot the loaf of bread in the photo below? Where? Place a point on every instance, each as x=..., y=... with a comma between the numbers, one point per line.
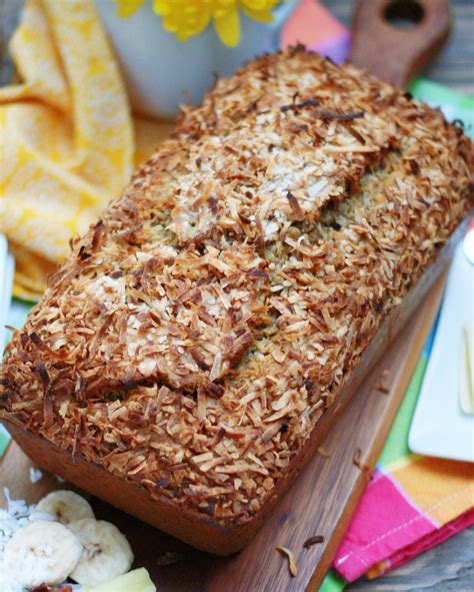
x=197, y=336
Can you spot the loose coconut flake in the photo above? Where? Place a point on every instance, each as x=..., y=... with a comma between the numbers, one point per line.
x=323, y=452
x=291, y=560
x=358, y=460
x=35, y=474
x=314, y=540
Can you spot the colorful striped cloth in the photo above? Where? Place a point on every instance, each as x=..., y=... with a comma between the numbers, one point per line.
x=412, y=502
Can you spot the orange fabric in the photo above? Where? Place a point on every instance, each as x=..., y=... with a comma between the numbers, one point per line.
x=442, y=499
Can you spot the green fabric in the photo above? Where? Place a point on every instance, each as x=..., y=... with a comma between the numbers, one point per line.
x=4, y=440
x=332, y=583
x=18, y=312
x=455, y=105
x=396, y=445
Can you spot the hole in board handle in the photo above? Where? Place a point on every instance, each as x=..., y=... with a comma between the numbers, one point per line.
x=404, y=14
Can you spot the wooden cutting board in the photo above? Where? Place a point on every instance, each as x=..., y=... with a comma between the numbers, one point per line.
x=321, y=501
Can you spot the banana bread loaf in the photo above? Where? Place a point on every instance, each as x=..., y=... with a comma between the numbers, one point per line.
x=197, y=335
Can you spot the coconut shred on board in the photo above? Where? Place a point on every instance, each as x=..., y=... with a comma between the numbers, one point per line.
x=16, y=515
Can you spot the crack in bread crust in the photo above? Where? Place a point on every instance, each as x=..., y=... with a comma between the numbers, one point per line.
x=197, y=333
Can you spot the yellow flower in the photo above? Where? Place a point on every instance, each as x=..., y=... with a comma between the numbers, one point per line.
x=186, y=18
x=128, y=7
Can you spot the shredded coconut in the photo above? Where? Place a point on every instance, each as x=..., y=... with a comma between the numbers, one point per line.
x=35, y=474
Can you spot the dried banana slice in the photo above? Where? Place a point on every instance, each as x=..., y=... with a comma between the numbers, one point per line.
x=65, y=506
x=106, y=552
x=41, y=553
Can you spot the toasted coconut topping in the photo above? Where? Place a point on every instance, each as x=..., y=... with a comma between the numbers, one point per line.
x=201, y=328
x=314, y=540
x=381, y=387
x=323, y=452
x=291, y=560
x=358, y=460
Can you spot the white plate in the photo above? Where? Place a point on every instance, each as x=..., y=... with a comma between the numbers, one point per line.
x=439, y=427
x=7, y=268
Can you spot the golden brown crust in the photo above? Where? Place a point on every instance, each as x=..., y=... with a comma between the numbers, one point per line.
x=201, y=328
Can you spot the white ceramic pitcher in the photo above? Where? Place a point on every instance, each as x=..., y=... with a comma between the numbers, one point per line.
x=161, y=72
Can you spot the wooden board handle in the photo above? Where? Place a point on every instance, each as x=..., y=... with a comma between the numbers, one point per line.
x=391, y=52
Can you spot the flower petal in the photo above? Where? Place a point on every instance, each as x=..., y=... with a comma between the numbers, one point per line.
x=184, y=18
x=126, y=8
x=259, y=5
x=227, y=27
x=262, y=16
x=162, y=7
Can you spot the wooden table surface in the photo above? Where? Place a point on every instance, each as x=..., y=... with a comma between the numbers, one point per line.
x=449, y=566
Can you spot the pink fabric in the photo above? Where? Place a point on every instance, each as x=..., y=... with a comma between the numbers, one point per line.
x=431, y=540
x=315, y=27
x=374, y=535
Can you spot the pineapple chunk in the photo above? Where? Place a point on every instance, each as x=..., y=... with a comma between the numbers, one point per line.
x=137, y=580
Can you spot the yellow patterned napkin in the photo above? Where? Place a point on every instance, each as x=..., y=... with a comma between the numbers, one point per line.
x=67, y=140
